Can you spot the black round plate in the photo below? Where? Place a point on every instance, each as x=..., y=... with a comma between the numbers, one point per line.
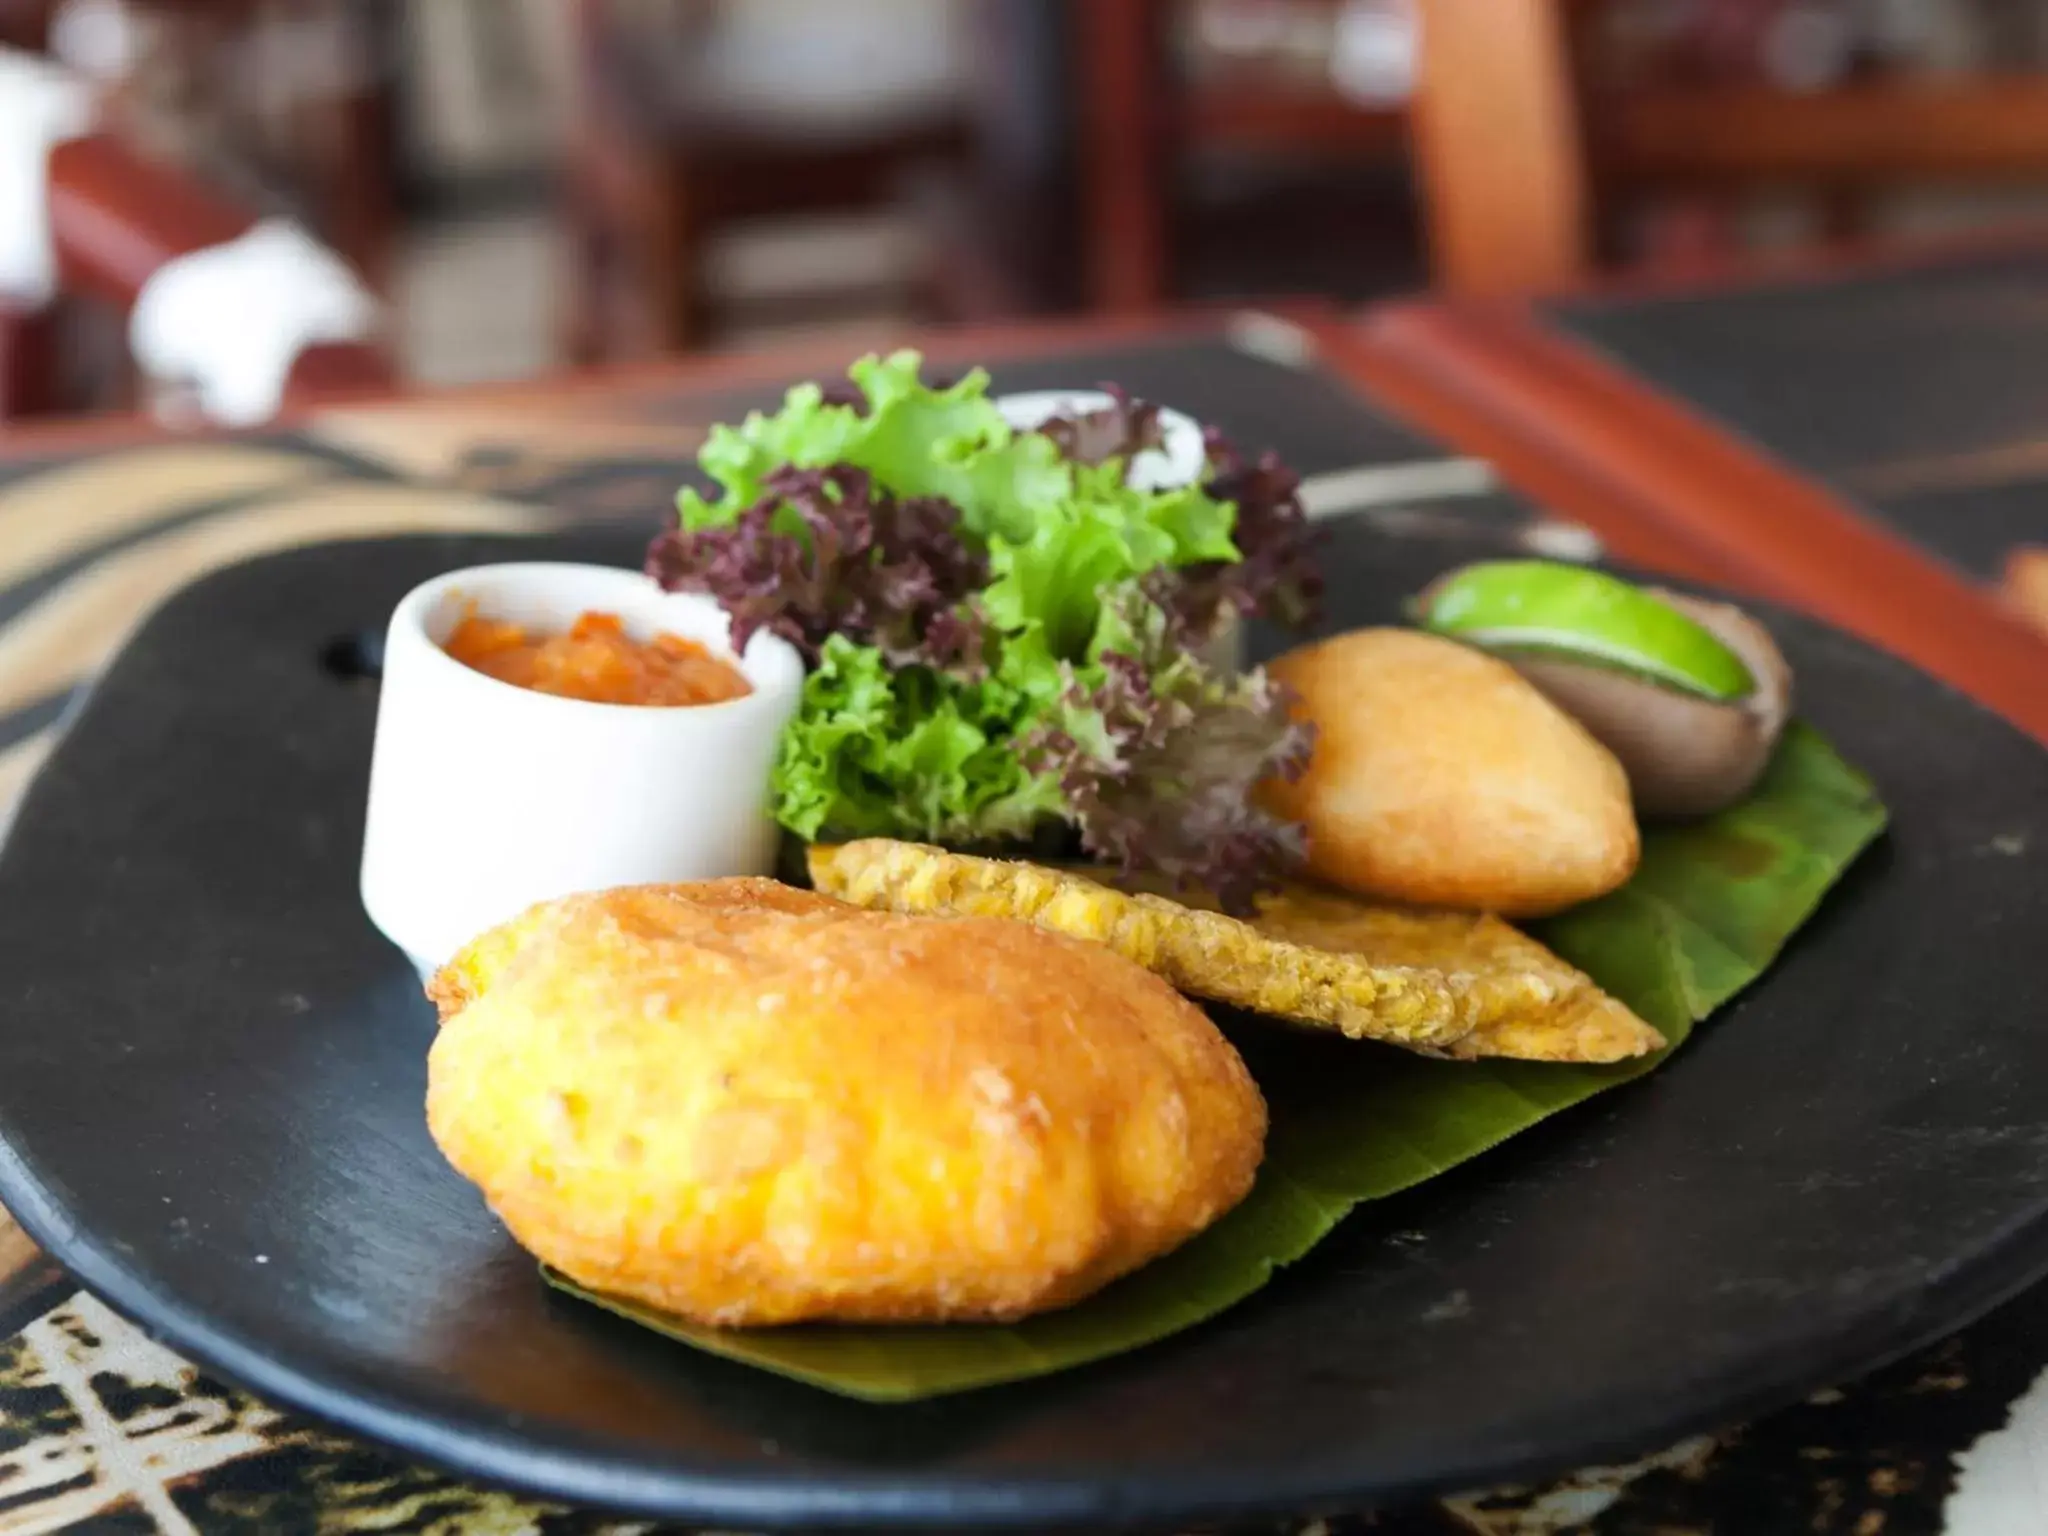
x=211, y=1071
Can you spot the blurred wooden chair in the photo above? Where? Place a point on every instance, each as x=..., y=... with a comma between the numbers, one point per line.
x=1138, y=120
x=1526, y=168
x=1532, y=171
x=681, y=129
x=230, y=313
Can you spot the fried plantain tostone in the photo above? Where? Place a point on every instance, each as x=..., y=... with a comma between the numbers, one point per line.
x=1445, y=983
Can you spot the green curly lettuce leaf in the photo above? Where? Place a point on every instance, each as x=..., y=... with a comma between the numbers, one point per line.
x=1157, y=755
x=998, y=644
x=1052, y=580
x=917, y=440
x=914, y=439
x=881, y=751
x=807, y=433
x=1098, y=541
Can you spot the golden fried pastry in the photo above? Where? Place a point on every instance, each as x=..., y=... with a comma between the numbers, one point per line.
x=744, y=1104
x=1527, y=1002
x=1442, y=777
x=1446, y=983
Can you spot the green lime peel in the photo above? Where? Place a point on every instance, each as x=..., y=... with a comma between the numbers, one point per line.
x=1577, y=613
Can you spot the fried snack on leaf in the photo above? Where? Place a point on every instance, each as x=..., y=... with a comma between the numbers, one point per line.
x=1201, y=952
x=1444, y=983
x=1531, y=1005
x=743, y=1103
x=1444, y=778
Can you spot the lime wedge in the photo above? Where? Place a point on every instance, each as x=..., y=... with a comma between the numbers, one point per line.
x=1569, y=611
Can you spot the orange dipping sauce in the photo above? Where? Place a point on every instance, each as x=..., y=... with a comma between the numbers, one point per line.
x=596, y=661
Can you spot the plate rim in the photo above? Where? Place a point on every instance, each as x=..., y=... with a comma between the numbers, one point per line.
x=855, y=1499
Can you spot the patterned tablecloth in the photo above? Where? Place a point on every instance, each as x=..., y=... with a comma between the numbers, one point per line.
x=103, y=1429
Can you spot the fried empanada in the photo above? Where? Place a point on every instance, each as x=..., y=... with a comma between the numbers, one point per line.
x=1444, y=778
x=743, y=1104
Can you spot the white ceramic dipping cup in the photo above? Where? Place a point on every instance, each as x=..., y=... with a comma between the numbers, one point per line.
x=486, y=798
x=1177, y=461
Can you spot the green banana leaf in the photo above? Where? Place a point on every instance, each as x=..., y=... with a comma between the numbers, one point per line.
x=1708, y=909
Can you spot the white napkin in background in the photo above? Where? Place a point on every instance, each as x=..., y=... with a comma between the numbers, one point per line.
x=231, y=320
x=42, y=105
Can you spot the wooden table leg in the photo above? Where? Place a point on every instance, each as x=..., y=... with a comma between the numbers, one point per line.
x=1121, y=68
x=28, y=364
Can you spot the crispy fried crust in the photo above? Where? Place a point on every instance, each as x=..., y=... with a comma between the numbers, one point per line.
x=748, y=1104
x=1447, y=983
x=1443, y=777
x=1530, y=1004
x=1205, y=953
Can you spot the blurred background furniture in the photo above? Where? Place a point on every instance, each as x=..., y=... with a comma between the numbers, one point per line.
x=534, y=182
x=1546, y=130
x=121, y=228
x=1553, y=137
x=288, y=105
x=691, y=116
x=1228, y=135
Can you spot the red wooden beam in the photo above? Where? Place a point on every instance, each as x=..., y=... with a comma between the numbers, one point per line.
x=116, y=217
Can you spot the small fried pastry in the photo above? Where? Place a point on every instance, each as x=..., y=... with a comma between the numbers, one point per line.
x=746, y=1104
x=1442, y=777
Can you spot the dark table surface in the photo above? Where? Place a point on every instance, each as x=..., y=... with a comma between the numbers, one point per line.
x=1919, y=388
